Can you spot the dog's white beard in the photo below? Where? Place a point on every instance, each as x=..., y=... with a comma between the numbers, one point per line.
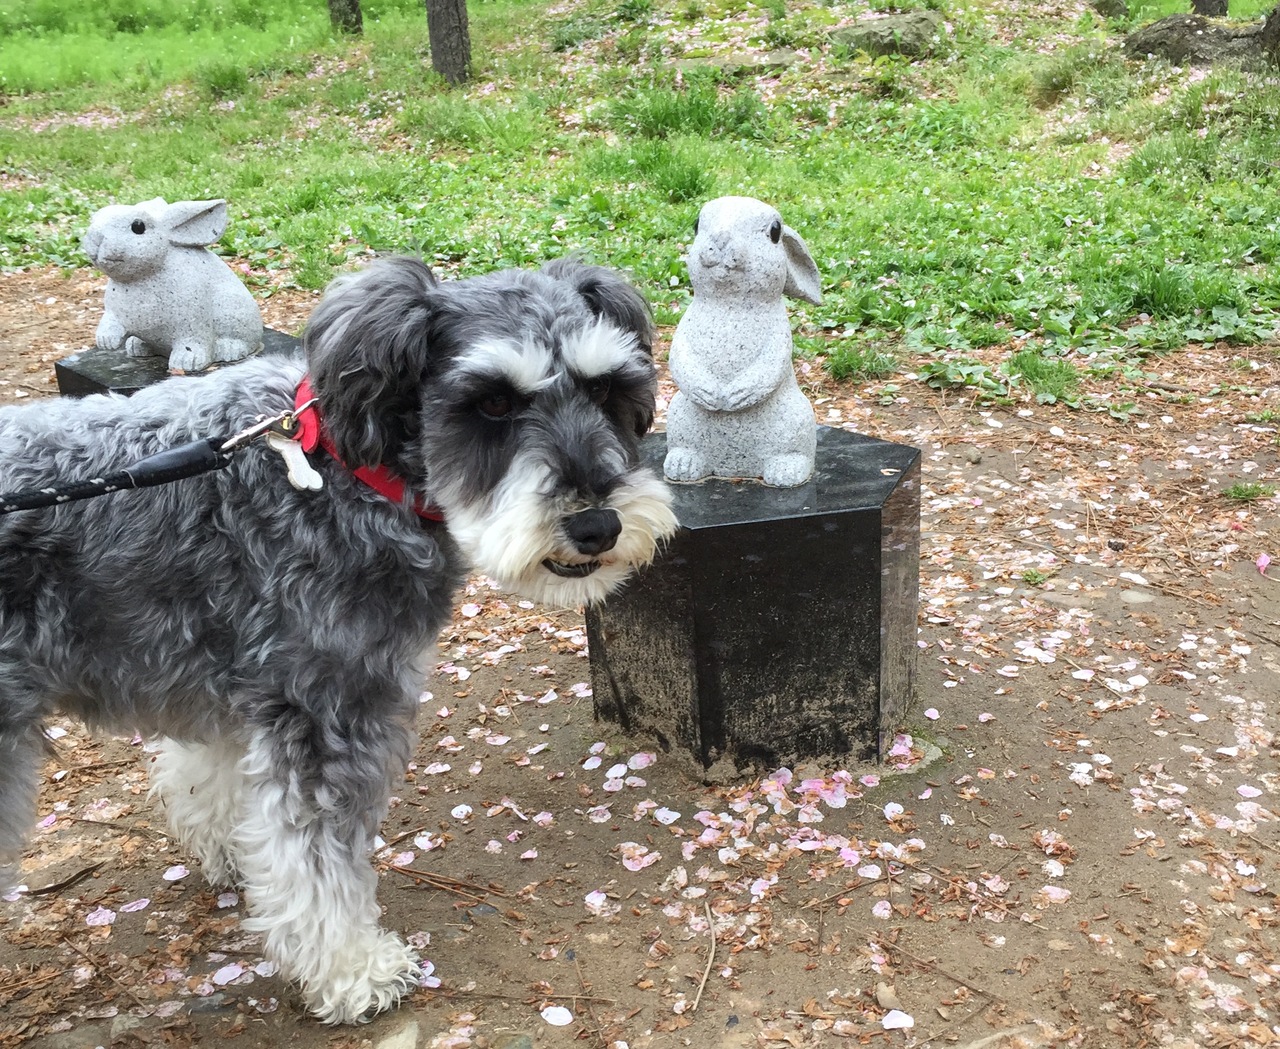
x=510, y=534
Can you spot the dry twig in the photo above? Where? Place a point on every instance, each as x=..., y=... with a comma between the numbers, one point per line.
x=711, y=957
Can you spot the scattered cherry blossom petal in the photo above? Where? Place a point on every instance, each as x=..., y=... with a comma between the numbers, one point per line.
x=227, y=974
x=897, y=1020
x=557, y=1016
x=99, y=917
x=636, y=857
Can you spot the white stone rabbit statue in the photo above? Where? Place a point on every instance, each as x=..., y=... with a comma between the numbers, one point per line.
x=740, y=411
x=167, y=292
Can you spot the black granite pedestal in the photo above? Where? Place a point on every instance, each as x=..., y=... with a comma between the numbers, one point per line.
x=114, y=371
x=779, y=625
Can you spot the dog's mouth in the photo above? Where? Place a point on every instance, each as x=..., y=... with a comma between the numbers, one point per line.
x=567, y=571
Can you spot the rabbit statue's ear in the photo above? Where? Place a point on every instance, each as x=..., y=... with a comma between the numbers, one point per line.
x=194, y=223
x=803, y=279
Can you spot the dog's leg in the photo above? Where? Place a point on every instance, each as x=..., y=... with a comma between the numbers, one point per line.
x=304, y=845
x=202, y=790
x=21, y=748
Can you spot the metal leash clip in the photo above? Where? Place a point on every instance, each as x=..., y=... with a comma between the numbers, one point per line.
x=262, y=424
x=281, y=433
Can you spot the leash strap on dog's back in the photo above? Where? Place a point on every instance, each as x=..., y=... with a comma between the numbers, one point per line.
x=173, y=464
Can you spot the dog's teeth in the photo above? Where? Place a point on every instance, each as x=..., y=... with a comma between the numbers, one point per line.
x=570, y=571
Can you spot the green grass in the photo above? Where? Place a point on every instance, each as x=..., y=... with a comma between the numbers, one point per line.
x=1043, y=192
x=1249, y=491
x=1051, y=379
x=860, y=361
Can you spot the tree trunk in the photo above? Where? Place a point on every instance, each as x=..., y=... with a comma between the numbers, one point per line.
x=450, y=39
x=1210, y=8
x=345, y=16
x=1270, y=37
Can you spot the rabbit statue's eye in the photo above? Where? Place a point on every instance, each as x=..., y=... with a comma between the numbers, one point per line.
x=138, y=226
x=775, y=231
x=695, y=225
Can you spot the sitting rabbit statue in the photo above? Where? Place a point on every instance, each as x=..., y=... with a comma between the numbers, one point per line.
x=740, y=411
x=167, y=293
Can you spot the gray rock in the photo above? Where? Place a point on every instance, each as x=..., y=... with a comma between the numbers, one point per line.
x=83, y=1036
x=168, y=294
x=517, y=1040
x=1195, y=41
x=1110, y=8
x=404, y=1037
x=912, y=33
x=746, y=64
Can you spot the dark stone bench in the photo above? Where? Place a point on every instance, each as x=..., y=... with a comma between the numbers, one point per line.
x=114, y=371
x=778, y=625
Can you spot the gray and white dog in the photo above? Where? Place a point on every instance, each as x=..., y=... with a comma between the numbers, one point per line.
x=273, y=640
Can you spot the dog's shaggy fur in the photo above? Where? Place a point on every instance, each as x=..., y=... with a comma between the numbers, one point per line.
x=274, y=641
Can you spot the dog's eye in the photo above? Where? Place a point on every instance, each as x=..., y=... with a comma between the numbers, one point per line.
x=496, y=406
x=598, y=389
x=775, y=231
x=138, y=226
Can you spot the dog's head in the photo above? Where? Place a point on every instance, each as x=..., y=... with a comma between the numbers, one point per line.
x=514, y=401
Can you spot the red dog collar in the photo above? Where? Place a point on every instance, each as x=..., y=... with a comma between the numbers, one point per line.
x=312, y=434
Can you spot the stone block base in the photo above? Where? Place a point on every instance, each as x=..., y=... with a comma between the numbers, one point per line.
x=779, y=625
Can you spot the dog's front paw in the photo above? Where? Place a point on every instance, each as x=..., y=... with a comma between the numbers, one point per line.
x=684, y=464
x=371, y=982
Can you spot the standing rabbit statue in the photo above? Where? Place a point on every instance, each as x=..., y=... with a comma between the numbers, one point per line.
x=739, y=411
x=167, y=293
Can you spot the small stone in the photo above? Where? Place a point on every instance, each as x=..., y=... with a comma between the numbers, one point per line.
x=405, y=1037
x=1136, y=597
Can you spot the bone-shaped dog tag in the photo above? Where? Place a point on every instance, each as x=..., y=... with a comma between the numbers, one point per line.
x=301, y=474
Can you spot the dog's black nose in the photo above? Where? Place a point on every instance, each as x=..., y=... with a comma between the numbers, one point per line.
x=594, y=531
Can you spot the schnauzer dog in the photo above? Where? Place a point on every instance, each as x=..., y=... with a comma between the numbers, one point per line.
x=274, y=639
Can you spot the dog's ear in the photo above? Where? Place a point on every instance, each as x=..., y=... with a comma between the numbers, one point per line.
x=609, y=295
x=366, y=347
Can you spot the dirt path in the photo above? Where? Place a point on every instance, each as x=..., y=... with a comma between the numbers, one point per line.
x=1092, y=859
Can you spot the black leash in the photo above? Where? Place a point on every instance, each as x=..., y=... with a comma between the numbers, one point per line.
x=173, y=464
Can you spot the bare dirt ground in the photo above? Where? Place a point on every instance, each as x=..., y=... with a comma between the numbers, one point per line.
x=1074, y=843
